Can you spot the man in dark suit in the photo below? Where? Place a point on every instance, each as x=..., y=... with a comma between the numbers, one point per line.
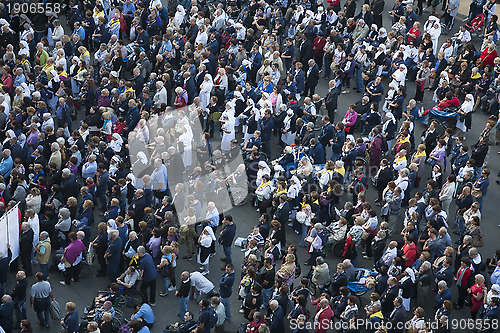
x=339, y=279
x=7, y=313
x=26, y=246
x=445, y=272
x=276, y=324
x=283, y=211
x=312, y=77
x=326, y=132
x=305, y=51
x=398, y=316
x=69, y=186
x=383, y=177
x=309, y=134
x=138, y=81
x=138, y=205
x=189, y=86
x=388, y=296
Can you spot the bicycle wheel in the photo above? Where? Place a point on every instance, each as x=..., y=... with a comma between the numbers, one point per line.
x=338, y=249
x=119, y=316
x=120, y=302
x=133, y=297
x=85, y=269
x=239, y=196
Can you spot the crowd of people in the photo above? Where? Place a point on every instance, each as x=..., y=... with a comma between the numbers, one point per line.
x=125, y=124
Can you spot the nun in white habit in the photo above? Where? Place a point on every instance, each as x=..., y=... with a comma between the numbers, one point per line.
x=433, y=28
x=288, y=131
x=205, y=90
x=179, y=16
x=54, y=86
x=464, y=114
x=205, y=240
x=186, y=139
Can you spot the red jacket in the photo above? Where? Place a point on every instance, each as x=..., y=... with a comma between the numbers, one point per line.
x=323, y=319
x=462, y=276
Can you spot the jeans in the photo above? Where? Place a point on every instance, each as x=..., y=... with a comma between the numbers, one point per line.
x=44, y=268
x=359, y=86
x=227, y=253
x=265, y=295
x=227, y=308
x=20, y=311
x=183, y=305
x=42, y=309
x=335, y=156
x=303, y=235
x=166, y=284
x=327, y=60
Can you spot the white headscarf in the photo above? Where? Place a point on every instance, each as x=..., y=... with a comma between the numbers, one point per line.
x=117, y=143
x=386, y=123
x=467, y=106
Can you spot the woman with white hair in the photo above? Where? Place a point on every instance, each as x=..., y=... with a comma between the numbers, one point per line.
x=142, y=131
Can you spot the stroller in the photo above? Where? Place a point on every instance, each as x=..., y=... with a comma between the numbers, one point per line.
x=475, y=24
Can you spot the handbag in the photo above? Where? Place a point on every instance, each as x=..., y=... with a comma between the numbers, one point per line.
x=166, y=271
x=477, y=240
x=476, y=193
x=55, y=310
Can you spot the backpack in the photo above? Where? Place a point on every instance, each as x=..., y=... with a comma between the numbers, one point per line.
x=212, y=321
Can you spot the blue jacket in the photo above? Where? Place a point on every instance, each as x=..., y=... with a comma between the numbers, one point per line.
x=338, y=142
x=317, y=153
x=71, y=322
x=443, y=296
x=226, y=285
x=266, y=128
x=276, y=325
x=227, y=235
x=6, y=166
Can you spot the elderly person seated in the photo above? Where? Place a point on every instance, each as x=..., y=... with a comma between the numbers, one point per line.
x=321, y=273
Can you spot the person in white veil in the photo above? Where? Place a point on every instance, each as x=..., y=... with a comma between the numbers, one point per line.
x=9, y=134
x=263, y=170
x=205, y=240
x=54, y=86
x=249, y=112
x=24, y=48
x=179, y=16
x=228, y=132
x=288, y=134
x=205, y=90
x=141, y=164
x=464, y=114
x=385, y=127
x=186, y=139
x=408, y=275
x=111, y=225
x=116, y=143
x=433, y=28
